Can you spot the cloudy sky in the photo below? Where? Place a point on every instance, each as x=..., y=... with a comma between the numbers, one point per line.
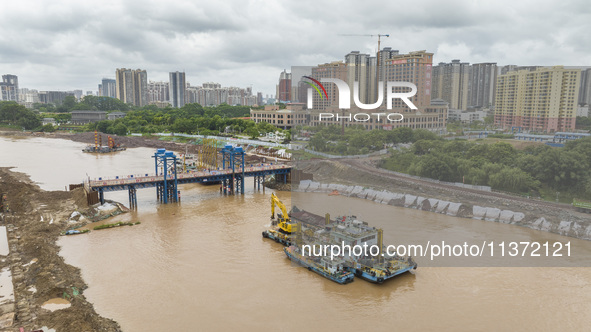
x=72, y=44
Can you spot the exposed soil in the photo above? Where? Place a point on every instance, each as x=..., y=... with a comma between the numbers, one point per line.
x=35, y=219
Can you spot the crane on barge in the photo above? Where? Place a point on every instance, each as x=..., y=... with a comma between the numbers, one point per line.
x=283, y=218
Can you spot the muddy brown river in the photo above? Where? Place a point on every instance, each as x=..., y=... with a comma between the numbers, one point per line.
x=202, y=265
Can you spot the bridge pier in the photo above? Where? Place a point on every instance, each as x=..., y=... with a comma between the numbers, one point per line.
x=171, y=193
x=258, y=180
x=159, y=192
x=132, y=198
x=102, y=196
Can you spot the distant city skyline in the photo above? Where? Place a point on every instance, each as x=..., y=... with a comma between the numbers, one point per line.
x=70, y=45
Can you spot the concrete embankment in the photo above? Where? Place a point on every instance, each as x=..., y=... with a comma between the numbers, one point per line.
x=574, y=226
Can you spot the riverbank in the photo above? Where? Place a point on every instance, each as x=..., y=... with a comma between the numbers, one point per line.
x=131, y=142
x=34, y=221
x=363, y=179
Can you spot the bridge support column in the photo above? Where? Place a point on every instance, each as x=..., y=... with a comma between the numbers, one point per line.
x=159, y=192
x=132, y=198
x=239, y=184
x=102, y=197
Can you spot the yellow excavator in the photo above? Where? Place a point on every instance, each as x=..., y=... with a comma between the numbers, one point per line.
x=283, y=219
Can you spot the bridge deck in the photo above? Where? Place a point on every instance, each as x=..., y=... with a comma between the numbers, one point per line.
x=123, y=183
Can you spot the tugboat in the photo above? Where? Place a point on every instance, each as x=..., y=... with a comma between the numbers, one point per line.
x=332, y=269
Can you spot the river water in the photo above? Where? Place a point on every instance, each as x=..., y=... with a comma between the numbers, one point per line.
x=203, y=265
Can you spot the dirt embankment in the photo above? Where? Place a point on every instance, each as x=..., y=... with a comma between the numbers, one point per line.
x=547, y=216
x=34, y=222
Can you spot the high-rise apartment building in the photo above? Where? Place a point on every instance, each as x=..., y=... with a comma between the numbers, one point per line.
x=335, y=69
x=483, y=81
x=543, y=99
x=53, y=97
x=124, y=82
x=178, y=89
x=140, y=87
x=158, y=92
x=9, y=88
x=213, y=94
x=414, y=67
x=108, y=88
x=451, y=82
x=585, y=87
x=132, y=86
x=361, y=68
x=299, y=87
x=284, y=87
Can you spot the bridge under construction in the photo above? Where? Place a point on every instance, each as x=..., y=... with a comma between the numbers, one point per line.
x=231, y=176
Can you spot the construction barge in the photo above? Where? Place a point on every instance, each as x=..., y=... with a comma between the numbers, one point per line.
x=98, y=145
x=301, y=228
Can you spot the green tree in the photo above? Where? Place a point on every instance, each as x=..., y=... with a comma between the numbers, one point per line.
x=433, y=167
x=69, y=103
x=48, y=128
x=119, y=129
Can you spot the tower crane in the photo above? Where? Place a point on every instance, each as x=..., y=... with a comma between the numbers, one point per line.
x=377, y=62
x=378, y=52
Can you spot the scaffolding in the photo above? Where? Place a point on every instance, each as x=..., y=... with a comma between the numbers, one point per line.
x=208, y=154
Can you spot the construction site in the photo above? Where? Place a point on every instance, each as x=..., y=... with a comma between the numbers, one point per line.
x=98, y=145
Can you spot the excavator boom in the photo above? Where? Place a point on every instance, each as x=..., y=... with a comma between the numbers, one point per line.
x=285, y=221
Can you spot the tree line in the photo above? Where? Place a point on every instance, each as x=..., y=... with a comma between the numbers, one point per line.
x=358, y=140
x=535, y=170
x=18, y=116
x=189, y=119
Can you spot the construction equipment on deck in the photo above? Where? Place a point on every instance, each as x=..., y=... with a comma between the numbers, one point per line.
x=98, y=145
